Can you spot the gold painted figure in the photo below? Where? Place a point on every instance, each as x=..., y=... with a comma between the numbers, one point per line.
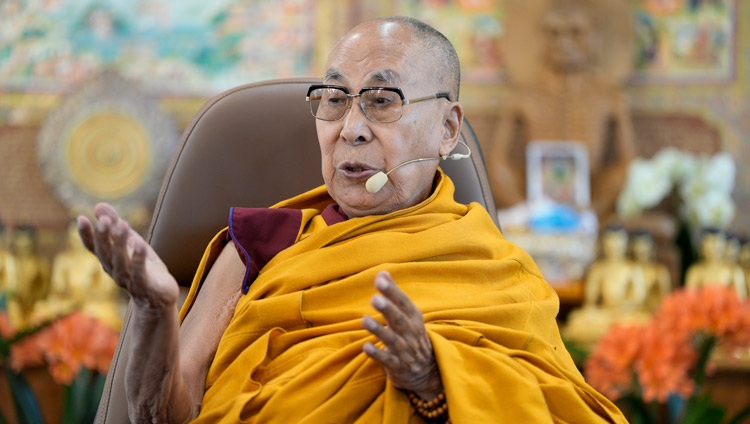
x=615, y=291
x=712, y=268
x=78, y=283
x=30, y=281
x=7, y=264
x=655, y=275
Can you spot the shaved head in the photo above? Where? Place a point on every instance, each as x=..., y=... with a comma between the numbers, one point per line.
x=429, y=41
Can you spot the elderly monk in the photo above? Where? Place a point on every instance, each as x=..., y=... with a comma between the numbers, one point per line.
x=345, y=304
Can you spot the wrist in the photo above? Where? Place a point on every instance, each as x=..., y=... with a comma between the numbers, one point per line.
x=147, y=313
x=428, y=395
x=432, y=386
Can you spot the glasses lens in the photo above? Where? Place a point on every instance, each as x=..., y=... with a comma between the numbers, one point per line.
x=381, y=105
x=328, y=104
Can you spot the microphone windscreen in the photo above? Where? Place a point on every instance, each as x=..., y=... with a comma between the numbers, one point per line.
x=376, y=182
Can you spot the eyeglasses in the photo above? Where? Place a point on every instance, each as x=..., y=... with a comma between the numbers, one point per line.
x=379, y=104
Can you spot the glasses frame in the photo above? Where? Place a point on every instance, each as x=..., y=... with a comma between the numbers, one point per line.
x=350, y=97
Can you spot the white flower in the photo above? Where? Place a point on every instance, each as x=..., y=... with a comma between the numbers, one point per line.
x=704, y=183
x=711, y=174
x=674, y=163
x=720, y=171
x=627, y=205
x=646, y=185
x=712, y=209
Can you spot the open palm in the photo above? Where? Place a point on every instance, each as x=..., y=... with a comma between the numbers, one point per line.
x=128, y=259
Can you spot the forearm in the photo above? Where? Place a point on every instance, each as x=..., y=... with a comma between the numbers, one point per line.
x=153, y=382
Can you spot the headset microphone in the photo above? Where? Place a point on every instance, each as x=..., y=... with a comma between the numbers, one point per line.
x=375, y=183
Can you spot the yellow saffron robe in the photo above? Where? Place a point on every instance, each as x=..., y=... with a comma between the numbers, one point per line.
x=292, y=352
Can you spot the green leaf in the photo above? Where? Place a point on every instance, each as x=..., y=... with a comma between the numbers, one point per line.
x=24, y=400
x=637, y=411
x=82, y=397
x=578, y=352
x=701, y=409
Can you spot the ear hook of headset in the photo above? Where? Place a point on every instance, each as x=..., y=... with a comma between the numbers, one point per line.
x=457, y=156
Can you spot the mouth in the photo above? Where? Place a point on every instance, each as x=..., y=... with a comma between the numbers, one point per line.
x=356, y=170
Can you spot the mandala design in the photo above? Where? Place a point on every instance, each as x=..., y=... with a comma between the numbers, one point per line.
x=107, y=142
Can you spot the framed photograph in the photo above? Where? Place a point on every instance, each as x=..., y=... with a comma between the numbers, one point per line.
x=558, y=171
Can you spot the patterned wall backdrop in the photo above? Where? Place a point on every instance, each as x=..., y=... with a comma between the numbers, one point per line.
x=182, y=51
x=185, y=47
x=475, y=27
x=685, y=40
x=193, y=47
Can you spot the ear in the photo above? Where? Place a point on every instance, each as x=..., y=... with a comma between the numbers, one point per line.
x=453, y=119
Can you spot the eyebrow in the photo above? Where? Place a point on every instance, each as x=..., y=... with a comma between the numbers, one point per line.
x=333, y=74
x=386, y=76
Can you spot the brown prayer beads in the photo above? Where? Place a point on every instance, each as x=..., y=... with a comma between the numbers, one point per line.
x=434, y=410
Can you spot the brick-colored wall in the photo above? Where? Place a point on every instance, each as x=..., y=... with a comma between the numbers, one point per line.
x=25, y=198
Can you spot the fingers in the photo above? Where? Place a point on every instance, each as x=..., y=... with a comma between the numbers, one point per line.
x=138, y=269
x=407, y=353
x=404, y=319
x=108, y=239
x=86, y=232
x=388, y=288
x=388, y=360
x=120, y=261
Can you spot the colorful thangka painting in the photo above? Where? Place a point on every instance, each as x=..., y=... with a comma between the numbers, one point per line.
x=168, y=46
x=475, y=27
x=685, y=40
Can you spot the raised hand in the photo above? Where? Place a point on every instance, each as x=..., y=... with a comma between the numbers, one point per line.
x=128, y=259
x=408, y=358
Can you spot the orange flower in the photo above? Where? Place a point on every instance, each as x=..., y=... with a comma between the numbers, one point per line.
x=739, y=337
x=664, y=352
x=609, y=367
x=63, y=372
x=6, y=328
x=716, y=310
x=25, y=353
x=66, y=345
x=664, y=362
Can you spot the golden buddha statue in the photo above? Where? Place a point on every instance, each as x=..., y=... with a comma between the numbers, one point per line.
x=565, y=70
x=712, y=268
x=614, y=292
x=655, y=275
x=30, y=282
x=732, y=249
x=7, y=264
x=78, y=282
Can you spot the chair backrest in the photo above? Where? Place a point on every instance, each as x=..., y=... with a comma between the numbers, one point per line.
x=250, y=146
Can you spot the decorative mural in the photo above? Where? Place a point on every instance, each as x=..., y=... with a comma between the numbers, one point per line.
x=182, y=51
x=191, y=47
x=184, y=47
x=475, y=27
x=107, y=141
x=685, y=40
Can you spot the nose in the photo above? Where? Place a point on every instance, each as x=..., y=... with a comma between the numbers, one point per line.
x=356, y=126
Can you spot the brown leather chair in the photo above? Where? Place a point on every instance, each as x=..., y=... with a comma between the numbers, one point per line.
x=252, y=146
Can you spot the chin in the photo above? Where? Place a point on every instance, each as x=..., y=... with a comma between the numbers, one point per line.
x=365, y=204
